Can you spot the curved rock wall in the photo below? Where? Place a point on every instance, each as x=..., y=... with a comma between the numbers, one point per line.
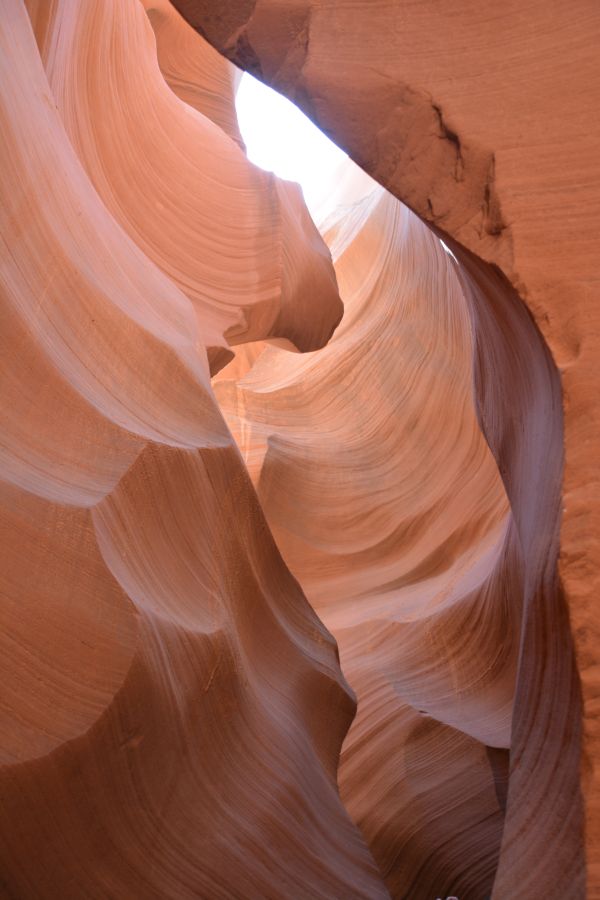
x=174, y=721
x=150, y=745
x=388, y=507
x=482, y=119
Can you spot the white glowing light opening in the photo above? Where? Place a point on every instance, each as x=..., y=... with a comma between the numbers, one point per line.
x=283, y=140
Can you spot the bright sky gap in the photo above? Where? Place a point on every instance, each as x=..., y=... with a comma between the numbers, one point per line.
x=283, y=140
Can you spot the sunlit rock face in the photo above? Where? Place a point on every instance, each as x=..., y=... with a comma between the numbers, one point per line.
x=172, y=709
x=387, y=505
x=200, y=525
x=237, y=242
x=482, y=118
x=390, y=509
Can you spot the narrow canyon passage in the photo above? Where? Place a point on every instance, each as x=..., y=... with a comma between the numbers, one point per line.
x=279, y=502
x=387, y=506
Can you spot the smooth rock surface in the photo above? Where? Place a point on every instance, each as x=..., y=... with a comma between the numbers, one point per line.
x=175, y=483
x=388, y=507
x=483, y=119
x=171, y=708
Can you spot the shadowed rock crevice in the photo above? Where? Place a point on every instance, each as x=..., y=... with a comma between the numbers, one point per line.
x=393, y=131
x=319, y=623
x=301, y=428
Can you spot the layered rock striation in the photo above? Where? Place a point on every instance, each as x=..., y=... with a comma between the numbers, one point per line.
x=482, y=119
x=310, y=624
x=388, y=507
x=171, y=707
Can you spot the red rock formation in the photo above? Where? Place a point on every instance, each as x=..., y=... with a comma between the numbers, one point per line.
x=171, y=708
x=388, y=507
x=482, y=119
x=193, y=69
x=133, y=141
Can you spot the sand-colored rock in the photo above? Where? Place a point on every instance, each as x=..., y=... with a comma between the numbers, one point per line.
x=388, y=507
x=236, y=240
x=174, y=721
x=193, y=69
x=171, y=708
x=483, y=120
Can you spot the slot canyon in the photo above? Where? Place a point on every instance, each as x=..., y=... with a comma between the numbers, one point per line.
x=300, y=511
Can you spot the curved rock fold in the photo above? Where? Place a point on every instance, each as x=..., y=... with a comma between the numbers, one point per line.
x=295, y=596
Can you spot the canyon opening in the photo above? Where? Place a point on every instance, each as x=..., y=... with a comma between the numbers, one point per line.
x=292, y=533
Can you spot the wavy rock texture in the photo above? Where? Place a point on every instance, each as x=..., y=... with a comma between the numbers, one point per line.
x=388, y=507
x=193, y=69
x=238, y=242
x=171, y=709
x=173, y=717
x=483, y=120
